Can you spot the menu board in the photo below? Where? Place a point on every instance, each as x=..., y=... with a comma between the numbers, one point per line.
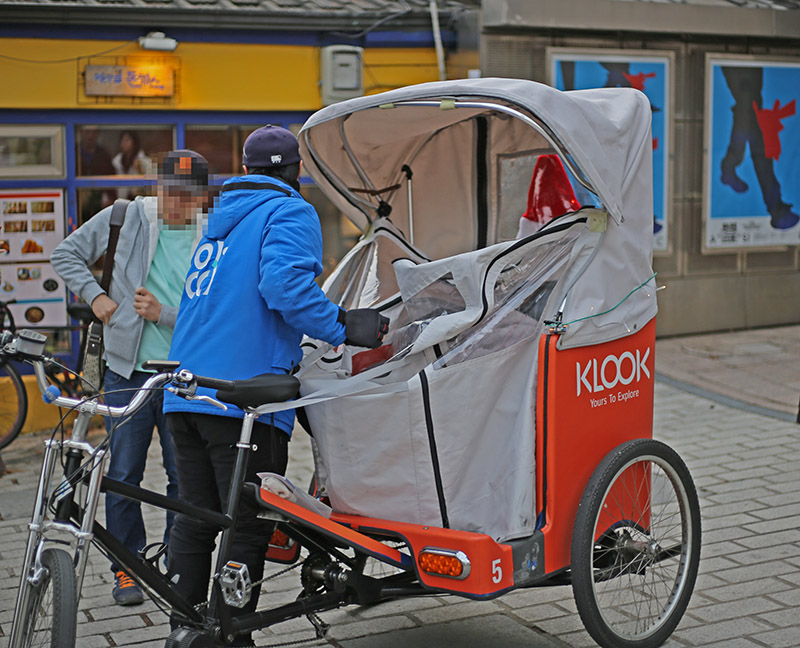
x=38, y=291
x=32, y=224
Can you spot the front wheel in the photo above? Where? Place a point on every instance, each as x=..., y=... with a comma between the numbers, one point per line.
x=636, y=546
x=49, y=607
x=13, y=404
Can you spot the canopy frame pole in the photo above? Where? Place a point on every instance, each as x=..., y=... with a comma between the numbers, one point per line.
x=407, y=170
x=456, y=103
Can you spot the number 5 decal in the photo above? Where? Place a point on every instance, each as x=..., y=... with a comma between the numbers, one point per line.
x=497, y=571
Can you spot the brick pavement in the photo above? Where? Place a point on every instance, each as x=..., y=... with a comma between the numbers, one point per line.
x=747, y=594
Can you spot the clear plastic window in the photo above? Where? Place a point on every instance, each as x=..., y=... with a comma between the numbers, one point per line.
x=368, y=277
x=521, y=295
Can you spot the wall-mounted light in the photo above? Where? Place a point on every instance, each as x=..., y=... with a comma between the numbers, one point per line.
x=157, y=41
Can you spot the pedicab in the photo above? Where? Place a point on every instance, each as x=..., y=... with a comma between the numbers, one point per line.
x=501, y=438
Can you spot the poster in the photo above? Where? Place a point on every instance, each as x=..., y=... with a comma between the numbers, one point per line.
x=32, y=224
x=573, y=70
x=39, y=293
x=752, y=166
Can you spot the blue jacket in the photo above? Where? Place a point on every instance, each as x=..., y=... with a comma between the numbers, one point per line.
x=251, y=294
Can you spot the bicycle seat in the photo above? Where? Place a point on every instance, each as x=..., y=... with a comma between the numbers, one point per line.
x=258, y=390
x=80, y=311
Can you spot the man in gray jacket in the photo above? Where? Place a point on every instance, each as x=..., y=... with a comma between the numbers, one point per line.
x=154, y=249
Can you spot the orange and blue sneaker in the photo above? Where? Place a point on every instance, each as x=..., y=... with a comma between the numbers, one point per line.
x=126, y=591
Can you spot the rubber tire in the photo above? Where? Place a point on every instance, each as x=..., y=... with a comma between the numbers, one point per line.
x=14, y=406
x=57, y=613
x=586, y=521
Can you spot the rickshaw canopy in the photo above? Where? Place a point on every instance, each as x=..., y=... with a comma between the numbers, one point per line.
x=457, y=140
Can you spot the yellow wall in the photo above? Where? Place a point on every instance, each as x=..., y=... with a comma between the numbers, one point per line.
x=42, y=416
x=213, y=76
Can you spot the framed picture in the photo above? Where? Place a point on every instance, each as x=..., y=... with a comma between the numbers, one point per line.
x=31, y=224
x=650, y=72
x=31, y=151
x=752, y=161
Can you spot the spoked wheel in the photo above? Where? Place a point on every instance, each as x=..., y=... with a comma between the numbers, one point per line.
x=50, y=608
x=13, y=404
x=636, y=546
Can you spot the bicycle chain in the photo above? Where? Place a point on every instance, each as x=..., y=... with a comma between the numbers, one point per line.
x=320, y=627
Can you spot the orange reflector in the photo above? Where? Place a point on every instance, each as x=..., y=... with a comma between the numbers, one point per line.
x=444, y=562
x=280, y=540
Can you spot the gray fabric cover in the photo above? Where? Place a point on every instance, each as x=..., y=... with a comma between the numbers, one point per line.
x=362, y=144
x=459, y=390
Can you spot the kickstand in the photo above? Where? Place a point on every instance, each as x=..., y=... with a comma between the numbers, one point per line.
x=320, y=626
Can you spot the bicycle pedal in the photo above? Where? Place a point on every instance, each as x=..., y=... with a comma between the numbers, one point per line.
x=320, y=627
x=235, y=584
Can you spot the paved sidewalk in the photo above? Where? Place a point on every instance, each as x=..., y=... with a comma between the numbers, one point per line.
x=744, y=464
x=760, y=367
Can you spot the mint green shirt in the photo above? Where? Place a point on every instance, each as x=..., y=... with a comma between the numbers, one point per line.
x=165, y=280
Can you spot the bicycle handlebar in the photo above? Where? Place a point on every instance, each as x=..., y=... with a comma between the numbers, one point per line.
x=28, y=345
x=214, y=383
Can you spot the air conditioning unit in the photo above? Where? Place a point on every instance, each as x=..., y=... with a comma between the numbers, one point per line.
x=342, y=73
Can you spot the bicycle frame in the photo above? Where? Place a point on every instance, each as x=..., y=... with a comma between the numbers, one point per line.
x=78, y=520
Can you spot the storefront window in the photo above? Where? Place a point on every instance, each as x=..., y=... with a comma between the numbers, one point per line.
x=92, y=199
x=31, y=151
x=120, y=150
x=104, y=151
x=217, y=144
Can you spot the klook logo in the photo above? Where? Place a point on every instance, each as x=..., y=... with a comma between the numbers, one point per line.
x=612, y=371
x=204, y=268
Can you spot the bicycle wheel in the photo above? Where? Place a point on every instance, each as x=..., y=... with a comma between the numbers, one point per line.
x=636, y=546
x=13, y=404
x=51, y=611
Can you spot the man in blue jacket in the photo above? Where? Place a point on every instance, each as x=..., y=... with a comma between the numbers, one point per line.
x=249, y=297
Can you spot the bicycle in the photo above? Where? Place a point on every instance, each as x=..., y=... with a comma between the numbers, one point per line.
x=13, y=397
x=51, y=579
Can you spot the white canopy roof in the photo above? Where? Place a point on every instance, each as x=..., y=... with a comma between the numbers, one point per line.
x=454, y=138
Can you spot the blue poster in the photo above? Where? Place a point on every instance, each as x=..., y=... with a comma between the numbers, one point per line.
x=753, y=162
x=650, y=74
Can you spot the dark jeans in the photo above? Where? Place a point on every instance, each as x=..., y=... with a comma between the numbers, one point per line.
x=129, y=444
x=205, y=450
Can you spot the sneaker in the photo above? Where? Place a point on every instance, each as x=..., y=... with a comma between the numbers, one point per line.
x=730, y=178
x=126, y=592
x=782, y=217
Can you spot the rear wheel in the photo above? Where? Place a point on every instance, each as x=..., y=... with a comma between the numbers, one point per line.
x=636, y=546
x=13, y=404
x=50, y=608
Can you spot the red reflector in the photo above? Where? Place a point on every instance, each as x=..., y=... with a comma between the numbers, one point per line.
x=280, y=540
x=444, y=562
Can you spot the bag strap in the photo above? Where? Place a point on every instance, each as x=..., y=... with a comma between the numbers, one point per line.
x=115, y=225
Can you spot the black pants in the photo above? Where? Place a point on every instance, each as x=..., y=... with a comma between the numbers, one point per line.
x=205, y=453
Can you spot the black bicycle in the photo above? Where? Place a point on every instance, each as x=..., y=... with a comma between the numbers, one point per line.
x=13, y=397
x=51, y=579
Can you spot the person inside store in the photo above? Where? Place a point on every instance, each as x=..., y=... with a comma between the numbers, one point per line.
x=131, y=160
x=249, y=297
x=94, y=160
x=155, y=245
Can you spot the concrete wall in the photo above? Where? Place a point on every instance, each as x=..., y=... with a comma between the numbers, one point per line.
x=705, y=291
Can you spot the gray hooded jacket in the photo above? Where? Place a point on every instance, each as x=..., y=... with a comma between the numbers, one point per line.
x=135, y=249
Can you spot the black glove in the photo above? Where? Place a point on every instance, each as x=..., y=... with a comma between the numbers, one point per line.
x=364, y=327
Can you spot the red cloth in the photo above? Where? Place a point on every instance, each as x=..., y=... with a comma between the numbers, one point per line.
x=550, y=194
x=769, y=121
x=637, y=80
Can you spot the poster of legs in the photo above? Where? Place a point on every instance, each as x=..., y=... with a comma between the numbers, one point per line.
x=647, y=72
x=752, y=196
